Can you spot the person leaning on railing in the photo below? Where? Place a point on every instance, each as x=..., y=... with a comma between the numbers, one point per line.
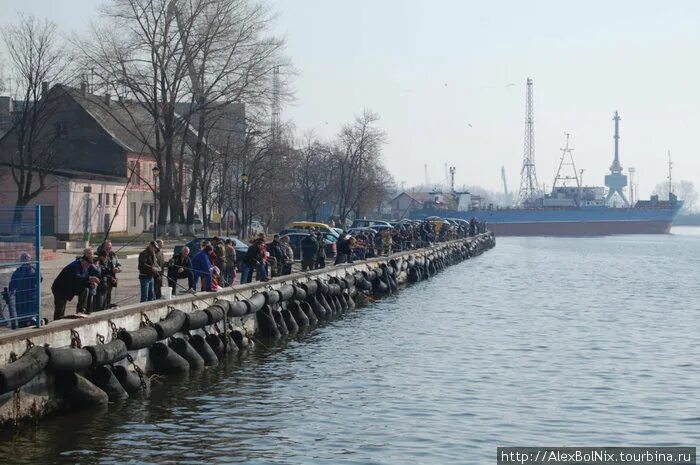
x=71, y=281
x=24, y=290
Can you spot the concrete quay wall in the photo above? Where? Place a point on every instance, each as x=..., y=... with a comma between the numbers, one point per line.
x=39, y=396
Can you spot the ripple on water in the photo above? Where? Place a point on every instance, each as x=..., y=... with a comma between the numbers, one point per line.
x=540, y=341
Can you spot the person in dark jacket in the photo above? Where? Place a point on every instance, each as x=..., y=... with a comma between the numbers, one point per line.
x=230, y=268
x=71, y=281
x=321, y=255
x=160, y=263
x=148, y=270
x=201, y=268
x=23, y=287
x=345, y=250
x=309, y=252
x=276, y=256
x=254, y=260
x=180, y=267
x=112, y=267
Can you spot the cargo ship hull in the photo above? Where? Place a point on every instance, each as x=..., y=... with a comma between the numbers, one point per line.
x=601, y=221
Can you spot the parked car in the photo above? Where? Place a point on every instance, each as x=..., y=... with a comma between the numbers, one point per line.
x=369, y=224
x=195, y=245
x=310, y=224
x=295, y=239
x=356, y=231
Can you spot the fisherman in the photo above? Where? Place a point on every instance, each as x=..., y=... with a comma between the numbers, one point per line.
x=220, y=251
x=201, y=268
x=288, y=255
x=276, y=256
x=180, y=267
x=112, y=267
x=148, y=270
x=71, y=281
x=309, y=252
x=254, y=260
x=321, y=254
x=230, y=268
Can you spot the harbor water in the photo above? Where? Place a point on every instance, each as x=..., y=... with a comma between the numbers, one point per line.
x=539, y=342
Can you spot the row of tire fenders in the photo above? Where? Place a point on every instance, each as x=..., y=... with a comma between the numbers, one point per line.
x=181, y=342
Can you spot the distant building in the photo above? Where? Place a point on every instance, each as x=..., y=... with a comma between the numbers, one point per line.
x=97, y=143
x=406, y=202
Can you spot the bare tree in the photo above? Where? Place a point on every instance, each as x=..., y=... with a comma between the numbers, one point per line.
x=684, y=190
x=36, y=59
x=312, y=176
x=356, y=162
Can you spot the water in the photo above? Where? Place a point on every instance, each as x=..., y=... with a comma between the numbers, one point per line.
x=540, y=341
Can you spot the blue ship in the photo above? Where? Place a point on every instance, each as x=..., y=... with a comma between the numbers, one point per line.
x=646, y=217
x=571, y=210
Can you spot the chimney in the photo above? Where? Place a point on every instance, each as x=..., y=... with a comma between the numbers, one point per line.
x=44, y=89
x=83, y=87
x=107, y=98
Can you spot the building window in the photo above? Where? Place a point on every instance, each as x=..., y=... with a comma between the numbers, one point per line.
x=61, y=131
x=133, y=214
x=135, y=172
x=107, y=199
x=114, y=199
x=99, y=199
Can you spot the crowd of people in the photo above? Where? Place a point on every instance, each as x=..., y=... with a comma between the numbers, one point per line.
x=92, y=277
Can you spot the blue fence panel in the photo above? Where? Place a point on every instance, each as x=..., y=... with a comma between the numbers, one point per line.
x=20, y=266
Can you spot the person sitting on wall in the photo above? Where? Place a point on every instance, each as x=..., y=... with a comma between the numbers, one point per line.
x=180, y=267
x=71, y=281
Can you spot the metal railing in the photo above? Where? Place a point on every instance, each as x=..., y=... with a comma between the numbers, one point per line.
x=20, y=266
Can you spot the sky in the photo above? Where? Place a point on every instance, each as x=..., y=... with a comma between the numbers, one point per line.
x=448, y=81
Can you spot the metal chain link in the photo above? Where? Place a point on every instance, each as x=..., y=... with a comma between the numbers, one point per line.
x=100, y=338
x=115, y=330
x=145, y=321
x=75, y=340
x=138, y=371
x=30, y=344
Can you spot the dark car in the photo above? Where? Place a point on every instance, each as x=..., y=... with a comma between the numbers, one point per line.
x=195, y=245
x=295, y=239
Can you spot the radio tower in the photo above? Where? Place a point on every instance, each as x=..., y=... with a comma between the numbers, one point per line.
x=275, y=122
x=528, y=177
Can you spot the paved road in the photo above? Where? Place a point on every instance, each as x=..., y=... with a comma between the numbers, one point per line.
x=128, y=291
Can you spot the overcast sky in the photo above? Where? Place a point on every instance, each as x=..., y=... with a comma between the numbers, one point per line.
x=448, y=79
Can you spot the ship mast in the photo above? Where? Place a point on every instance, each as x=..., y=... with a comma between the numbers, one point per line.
x=567, y=159
x=670, y=178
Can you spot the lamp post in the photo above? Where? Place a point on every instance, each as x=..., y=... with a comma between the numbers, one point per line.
x=244, y=181
x=156, y=172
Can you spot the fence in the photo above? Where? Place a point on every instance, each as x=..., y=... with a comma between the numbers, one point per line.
x=20, y=266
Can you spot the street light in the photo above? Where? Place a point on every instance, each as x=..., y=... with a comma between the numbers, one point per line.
x=156, y=172
x=244, y=181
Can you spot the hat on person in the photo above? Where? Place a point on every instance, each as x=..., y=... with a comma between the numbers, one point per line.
x=154, y=244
